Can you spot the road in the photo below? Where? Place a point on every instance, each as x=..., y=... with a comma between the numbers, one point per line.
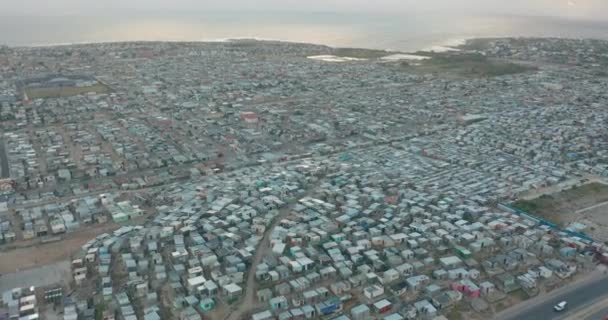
x=599, y=315
x=4, y=171
x=249, y=300
x=579, y=295
x=595, y=311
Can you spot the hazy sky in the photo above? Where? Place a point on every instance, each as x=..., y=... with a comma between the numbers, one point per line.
x=593, y=9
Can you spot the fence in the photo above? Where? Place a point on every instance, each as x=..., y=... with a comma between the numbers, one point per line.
x=544, y=222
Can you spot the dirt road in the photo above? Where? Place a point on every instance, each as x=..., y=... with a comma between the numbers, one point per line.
x=249, y=301
x=4, y=166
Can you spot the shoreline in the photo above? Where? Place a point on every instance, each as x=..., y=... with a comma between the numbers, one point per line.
x=454, y=44
x=449, y=45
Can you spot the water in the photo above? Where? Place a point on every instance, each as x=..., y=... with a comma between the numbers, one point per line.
x=397, y=32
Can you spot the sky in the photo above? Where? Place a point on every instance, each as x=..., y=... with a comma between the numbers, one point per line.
x=578, y=9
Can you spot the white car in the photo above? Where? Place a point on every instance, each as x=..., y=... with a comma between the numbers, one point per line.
x=560, y=306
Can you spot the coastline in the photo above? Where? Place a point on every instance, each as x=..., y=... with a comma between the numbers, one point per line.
x=454, y=44
x=403, y=32
x=447, y=46
x=439, y=47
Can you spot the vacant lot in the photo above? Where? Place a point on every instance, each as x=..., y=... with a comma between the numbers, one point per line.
x=40, y=93
x=467, y=65
x=39, y=277
x=570, y=205
x=39, y=254
x=361, y=53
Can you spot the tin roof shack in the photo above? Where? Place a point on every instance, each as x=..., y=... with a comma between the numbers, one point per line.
x=561, y=269
x=232, y=291
x=450, y=262
x=394, y=316
x=21, y=303
x=417, y=282
x=64, y=175
x=360, y=312
x=193, y=284
x=466, y=287
x=487, y=288
x=425, y=308
x=189, y=313
x=264, y=295
x=383, y=306
x=329, y=306
x=124, y=211
x=373, y=291
x=506, y=283
x=278, y=303
x=70, y=313
x=264, y=315
x=447, y=299
x=5, y=229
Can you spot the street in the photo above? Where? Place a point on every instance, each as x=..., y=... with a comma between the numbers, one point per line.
x=599, y=315
x=579, y=295
x=248, y=301
x=4, y=168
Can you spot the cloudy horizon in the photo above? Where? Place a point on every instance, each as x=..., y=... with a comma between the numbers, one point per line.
x=576, y=9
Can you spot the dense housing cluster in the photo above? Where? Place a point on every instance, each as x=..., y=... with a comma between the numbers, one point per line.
x=243, y=180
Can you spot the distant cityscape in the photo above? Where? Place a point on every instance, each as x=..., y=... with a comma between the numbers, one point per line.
x=273, y=180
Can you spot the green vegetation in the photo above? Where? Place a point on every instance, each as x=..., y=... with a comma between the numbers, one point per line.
x=361, y=53
x=550, y=207
x=40, y=93
x=544, y=207
x=455, y=314
x=458, y=311
x=99, y=309
x=472, y=65
x=592, y=188
x=530, y=206
x=520, y=294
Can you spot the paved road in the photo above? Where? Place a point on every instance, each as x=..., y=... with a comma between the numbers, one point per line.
x=599, y=315
x=579, y=296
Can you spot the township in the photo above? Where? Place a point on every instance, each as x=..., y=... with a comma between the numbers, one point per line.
x=255, y=180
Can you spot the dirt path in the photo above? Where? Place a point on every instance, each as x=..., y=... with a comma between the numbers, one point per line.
x=592, y=207
x=248, y=302
x=4, y=167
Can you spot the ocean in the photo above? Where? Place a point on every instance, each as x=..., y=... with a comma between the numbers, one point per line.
x=395, y=32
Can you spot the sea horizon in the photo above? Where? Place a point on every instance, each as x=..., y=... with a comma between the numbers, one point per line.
x=407, y=33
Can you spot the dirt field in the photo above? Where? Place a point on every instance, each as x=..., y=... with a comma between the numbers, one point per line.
x=39, y=277
x=31, y=254
x=587, y=204
x=597, y=218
